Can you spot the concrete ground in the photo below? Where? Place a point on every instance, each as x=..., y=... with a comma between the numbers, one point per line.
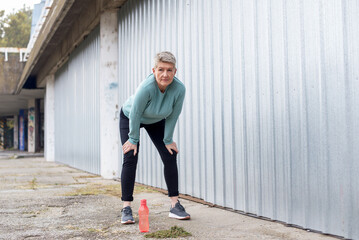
x=13, y=154
x=46, y=200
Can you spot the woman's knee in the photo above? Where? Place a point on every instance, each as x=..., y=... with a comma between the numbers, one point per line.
x=169, y=159
x=129, y=160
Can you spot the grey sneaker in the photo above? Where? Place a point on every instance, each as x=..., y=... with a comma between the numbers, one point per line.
x=127, y=217
x=179, y=212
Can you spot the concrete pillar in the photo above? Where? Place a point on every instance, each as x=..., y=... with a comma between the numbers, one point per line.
x=2, y=133
x=31, y=125
x=16, y=132
x=22, y=129
x=33, y=140
x=50, y=119
x=109, y=130
x=37, y=125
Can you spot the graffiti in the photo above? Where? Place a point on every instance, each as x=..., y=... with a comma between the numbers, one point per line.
x=113, y=85
x=9, y=133
x=2, y=130
x=22, y=131
x=31, y=128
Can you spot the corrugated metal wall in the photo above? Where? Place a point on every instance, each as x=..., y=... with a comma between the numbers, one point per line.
x=77, y=118
x=270, y=120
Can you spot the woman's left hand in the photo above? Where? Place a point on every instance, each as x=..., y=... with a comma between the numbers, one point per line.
x=172, y=146
x=128, y=146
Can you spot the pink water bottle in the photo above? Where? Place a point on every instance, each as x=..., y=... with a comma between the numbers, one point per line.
x=144, y=225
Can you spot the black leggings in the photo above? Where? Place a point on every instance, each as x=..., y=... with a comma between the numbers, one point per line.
x=156, y=133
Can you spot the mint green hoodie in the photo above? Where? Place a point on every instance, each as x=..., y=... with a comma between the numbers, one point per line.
x=149, y=105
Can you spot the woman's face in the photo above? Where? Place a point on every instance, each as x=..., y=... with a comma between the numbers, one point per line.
x=164, y=74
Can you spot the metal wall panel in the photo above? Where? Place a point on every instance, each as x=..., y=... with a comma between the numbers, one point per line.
x=270, y=120
x=77, y=121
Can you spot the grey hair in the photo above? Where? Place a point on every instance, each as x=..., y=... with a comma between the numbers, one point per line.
x=165, y=56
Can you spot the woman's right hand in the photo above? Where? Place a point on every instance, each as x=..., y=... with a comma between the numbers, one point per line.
x=128, y=146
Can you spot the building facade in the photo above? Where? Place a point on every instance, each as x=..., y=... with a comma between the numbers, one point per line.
x=269, y=122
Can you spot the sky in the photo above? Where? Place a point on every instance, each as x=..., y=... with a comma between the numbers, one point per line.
x=13, y=5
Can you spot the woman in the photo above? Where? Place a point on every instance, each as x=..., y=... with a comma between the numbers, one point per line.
x=155, y=106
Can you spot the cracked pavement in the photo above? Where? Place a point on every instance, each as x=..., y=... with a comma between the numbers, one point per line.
x=47, y=200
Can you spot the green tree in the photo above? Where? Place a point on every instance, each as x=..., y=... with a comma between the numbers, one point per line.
x=2, y=12
x=15, y=28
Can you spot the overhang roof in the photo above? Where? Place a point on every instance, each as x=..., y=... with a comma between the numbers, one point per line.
x=11, y=104
x=68, y=23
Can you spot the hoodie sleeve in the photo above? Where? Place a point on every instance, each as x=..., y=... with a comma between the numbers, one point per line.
x=140, y=101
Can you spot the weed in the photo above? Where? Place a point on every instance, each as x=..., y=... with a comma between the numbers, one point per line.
x=33, y=183
x=70, y=227
x=140, y=188
x=87, y=176
x=174, y=232
x=97, y=189
x=96, y=230
x=88, y=190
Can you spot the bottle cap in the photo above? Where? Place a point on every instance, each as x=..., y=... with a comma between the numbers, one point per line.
x=143, y=201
